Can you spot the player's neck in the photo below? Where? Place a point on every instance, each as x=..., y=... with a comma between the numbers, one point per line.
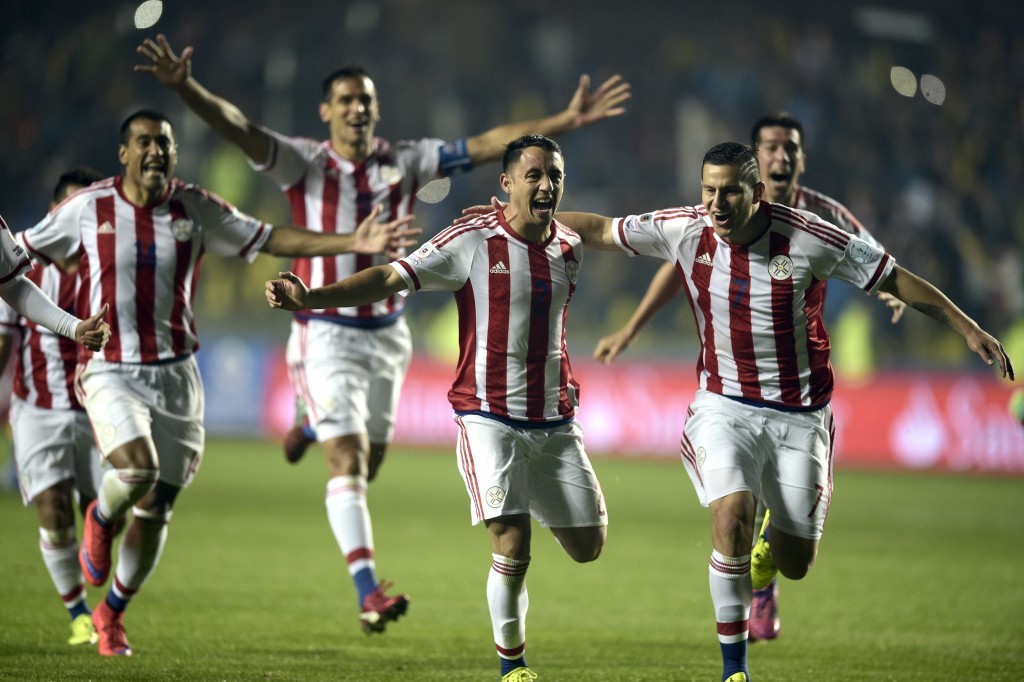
x=355, y=152
x=755, y=227
x=532, y=232
x=139, y=195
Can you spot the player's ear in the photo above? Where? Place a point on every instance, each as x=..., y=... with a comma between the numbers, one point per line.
x=122, y=154
x=325, y=112
x=506, y=183
x=758, y=191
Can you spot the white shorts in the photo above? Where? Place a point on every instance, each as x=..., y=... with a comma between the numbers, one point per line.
x=348, y=377
x=783, y=458
x=541, y=472
x=51, y=446
x=164, y=402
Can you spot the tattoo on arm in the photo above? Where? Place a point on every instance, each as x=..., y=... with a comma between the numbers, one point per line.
x=933, y=311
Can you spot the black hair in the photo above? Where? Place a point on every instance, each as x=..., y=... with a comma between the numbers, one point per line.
x=82, y=176
x=346, y=71
x=514, y=149
x=735, y=154
x=146, y=114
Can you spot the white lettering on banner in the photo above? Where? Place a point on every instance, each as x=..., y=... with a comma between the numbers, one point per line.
x=985, y=439
x=917, y=436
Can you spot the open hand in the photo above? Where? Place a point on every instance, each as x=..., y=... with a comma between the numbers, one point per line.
x=590, y=107
x=167, y=67
x=393, y=238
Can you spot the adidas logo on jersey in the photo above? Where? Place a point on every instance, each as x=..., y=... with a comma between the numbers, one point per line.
x=703, y=259
x=105, y=228
x=499, y=269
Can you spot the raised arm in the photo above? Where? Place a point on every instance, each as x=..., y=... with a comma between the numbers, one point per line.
x=371, y=237
x=921, y=295
x=585, y=108
x=663, y=288
x=366, y=286
x=175, y=72
x=596, y=230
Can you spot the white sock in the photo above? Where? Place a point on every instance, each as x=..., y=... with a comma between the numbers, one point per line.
x=508, y=602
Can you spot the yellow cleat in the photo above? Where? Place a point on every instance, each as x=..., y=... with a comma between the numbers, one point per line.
x=82, y=631
x=762, y=565
x=519, y=675
x=737, y=677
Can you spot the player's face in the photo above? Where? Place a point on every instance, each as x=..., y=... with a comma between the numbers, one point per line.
x=150, y=156
x=729, y=201
x=780, y=156
x=352, y=113
x=534, y=185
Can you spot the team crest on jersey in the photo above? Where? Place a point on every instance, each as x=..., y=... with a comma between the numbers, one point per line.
x=861, y=252
x=495, y=497
x=572, y=271
x=420, y=254
x=390, y=174
x=780, y=267
x=182, y=229
x=702, y=455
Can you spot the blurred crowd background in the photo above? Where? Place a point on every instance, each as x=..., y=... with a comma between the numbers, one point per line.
x=937, y=175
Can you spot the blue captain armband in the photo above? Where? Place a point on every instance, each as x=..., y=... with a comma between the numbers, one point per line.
x=453, y=158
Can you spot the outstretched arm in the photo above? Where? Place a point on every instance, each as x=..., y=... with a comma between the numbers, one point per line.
x=30, y=302
x=371, y=237
x=175, y=72
x=367, y=286
x=585, y=108
x=663, y=288
x=921, y=295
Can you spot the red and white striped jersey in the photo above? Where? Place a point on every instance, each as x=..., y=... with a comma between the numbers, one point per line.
x=329, y=193
x=13, y=260
x=758, y=307
x=44, y=371
x=513, y=298
x=833, y=212
x=143, y=261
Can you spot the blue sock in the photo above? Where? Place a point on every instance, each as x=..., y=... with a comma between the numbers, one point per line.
x=734, y=658
x=116, y=603
x=78, y=609
x=510, y=664
x=366, y=582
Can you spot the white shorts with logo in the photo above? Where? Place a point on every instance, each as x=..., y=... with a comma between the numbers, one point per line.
x=162, y=401
x=783, y=458
x=349, y=378
x=51, y=446
x=543, y=472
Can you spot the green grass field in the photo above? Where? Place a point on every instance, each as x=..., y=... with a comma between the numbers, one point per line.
x=919, y=578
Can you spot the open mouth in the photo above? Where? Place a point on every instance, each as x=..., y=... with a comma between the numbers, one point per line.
x=542, y=205
x=721, y=218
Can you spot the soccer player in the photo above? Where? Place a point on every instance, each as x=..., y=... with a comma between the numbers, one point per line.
x=760, y=426
x=54, y=451
x=141, y=236
x=347, y=363
x=779, y=142
x=520, y=451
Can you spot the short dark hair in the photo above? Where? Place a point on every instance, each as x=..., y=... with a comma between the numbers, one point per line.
x=514, y=149
x=147, y=114
x=346, y=71
x=780, y=118
x=82, y=176
x=734, y=154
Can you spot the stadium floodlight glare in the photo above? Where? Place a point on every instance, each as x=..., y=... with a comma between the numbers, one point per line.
x=434, y=191
x=933, y=89
x=903, y=80
x=148, y=13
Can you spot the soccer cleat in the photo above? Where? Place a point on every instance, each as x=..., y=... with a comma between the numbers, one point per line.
x=94, y=555
x=378, y=608
x=519, y=675
x=762, y=565
x=82, y=631
x=737, y=677
x=764, y=613
x=113, y=641
x=295, y=444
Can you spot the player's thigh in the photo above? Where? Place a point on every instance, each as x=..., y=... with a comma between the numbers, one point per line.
x=89, y=463
x=44, y=447
x=720, y=447
x=392, y=351
x=565, y=489
x=494, y=467
x=799, y=490
x=179, y=433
